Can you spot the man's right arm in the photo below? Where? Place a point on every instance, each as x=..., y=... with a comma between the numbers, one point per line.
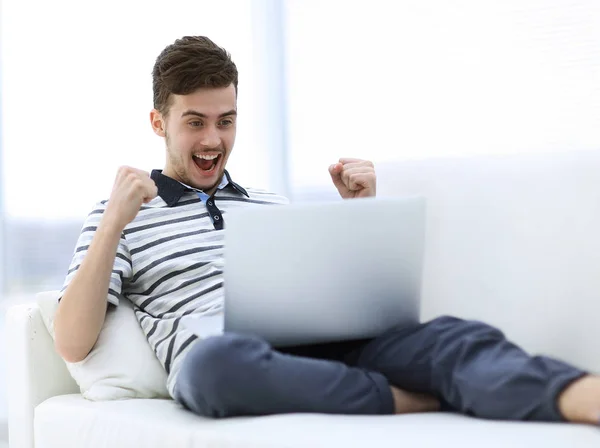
x=82, y=308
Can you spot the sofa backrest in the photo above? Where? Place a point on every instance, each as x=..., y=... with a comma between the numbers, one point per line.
x=514, y=241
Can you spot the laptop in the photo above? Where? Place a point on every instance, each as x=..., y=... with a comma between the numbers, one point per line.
x=321, y=272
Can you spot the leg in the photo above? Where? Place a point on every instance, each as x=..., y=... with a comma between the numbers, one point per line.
x=236, y=375
x=472, y=368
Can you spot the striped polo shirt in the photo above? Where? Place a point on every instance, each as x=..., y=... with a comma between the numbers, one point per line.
x=169, y=261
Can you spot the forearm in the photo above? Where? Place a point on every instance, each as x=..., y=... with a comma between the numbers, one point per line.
x=83, y=305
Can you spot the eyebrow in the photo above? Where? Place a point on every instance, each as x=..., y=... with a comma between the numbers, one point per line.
x=201, y=115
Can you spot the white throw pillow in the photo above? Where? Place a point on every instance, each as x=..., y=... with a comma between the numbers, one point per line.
x=121, y=365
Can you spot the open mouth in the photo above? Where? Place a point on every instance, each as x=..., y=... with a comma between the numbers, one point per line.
x=207, y=163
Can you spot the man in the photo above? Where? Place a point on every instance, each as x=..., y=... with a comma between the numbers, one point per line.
x=158, y=241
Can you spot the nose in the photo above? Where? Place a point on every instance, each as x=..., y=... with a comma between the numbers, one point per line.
x=211, y=137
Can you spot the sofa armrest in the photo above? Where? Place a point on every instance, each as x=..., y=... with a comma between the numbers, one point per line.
x=35, y=371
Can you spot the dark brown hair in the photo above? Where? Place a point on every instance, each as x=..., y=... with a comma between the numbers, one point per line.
x=188, y=64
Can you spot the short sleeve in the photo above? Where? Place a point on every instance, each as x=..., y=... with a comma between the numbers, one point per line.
x=122, y=267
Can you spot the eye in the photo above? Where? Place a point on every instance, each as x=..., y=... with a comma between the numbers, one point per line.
x=195, y=124
x=226, y=122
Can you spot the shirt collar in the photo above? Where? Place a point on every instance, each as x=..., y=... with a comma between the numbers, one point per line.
x=171, y=190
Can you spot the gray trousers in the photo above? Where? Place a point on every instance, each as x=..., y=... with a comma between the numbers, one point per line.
x=468, y=365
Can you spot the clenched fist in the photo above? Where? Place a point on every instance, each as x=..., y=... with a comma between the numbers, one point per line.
x=354, y=178
x=131, y=189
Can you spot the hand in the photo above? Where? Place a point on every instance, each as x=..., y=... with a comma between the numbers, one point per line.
x=131, y=189
x=354, y=178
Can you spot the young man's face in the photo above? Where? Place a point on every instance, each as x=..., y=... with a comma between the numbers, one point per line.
x=200, y=132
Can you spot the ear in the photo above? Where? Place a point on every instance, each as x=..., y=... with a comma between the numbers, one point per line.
x=159, y=124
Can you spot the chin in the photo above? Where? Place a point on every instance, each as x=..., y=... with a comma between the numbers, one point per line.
x=206, y=184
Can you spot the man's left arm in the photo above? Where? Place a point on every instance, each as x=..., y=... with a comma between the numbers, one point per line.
x=354, y=178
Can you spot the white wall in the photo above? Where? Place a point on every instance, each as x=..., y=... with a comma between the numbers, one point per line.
x=416, y=79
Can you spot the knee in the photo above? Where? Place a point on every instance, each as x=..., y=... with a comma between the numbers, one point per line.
x=214, y=369
x=466, y=328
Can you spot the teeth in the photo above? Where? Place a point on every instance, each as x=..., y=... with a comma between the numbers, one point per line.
x=206, y=156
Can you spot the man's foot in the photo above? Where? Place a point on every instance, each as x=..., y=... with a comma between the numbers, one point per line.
x=580, y=402
x=410, y=402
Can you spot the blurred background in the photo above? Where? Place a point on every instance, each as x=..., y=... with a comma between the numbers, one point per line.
x=382, y=80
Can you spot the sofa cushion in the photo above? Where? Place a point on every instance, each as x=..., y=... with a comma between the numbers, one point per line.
x=121, y=365
x=69, y=421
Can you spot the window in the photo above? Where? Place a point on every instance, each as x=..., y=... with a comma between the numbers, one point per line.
x=77, y=92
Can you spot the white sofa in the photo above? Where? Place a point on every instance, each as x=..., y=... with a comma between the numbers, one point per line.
x=511, y=240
